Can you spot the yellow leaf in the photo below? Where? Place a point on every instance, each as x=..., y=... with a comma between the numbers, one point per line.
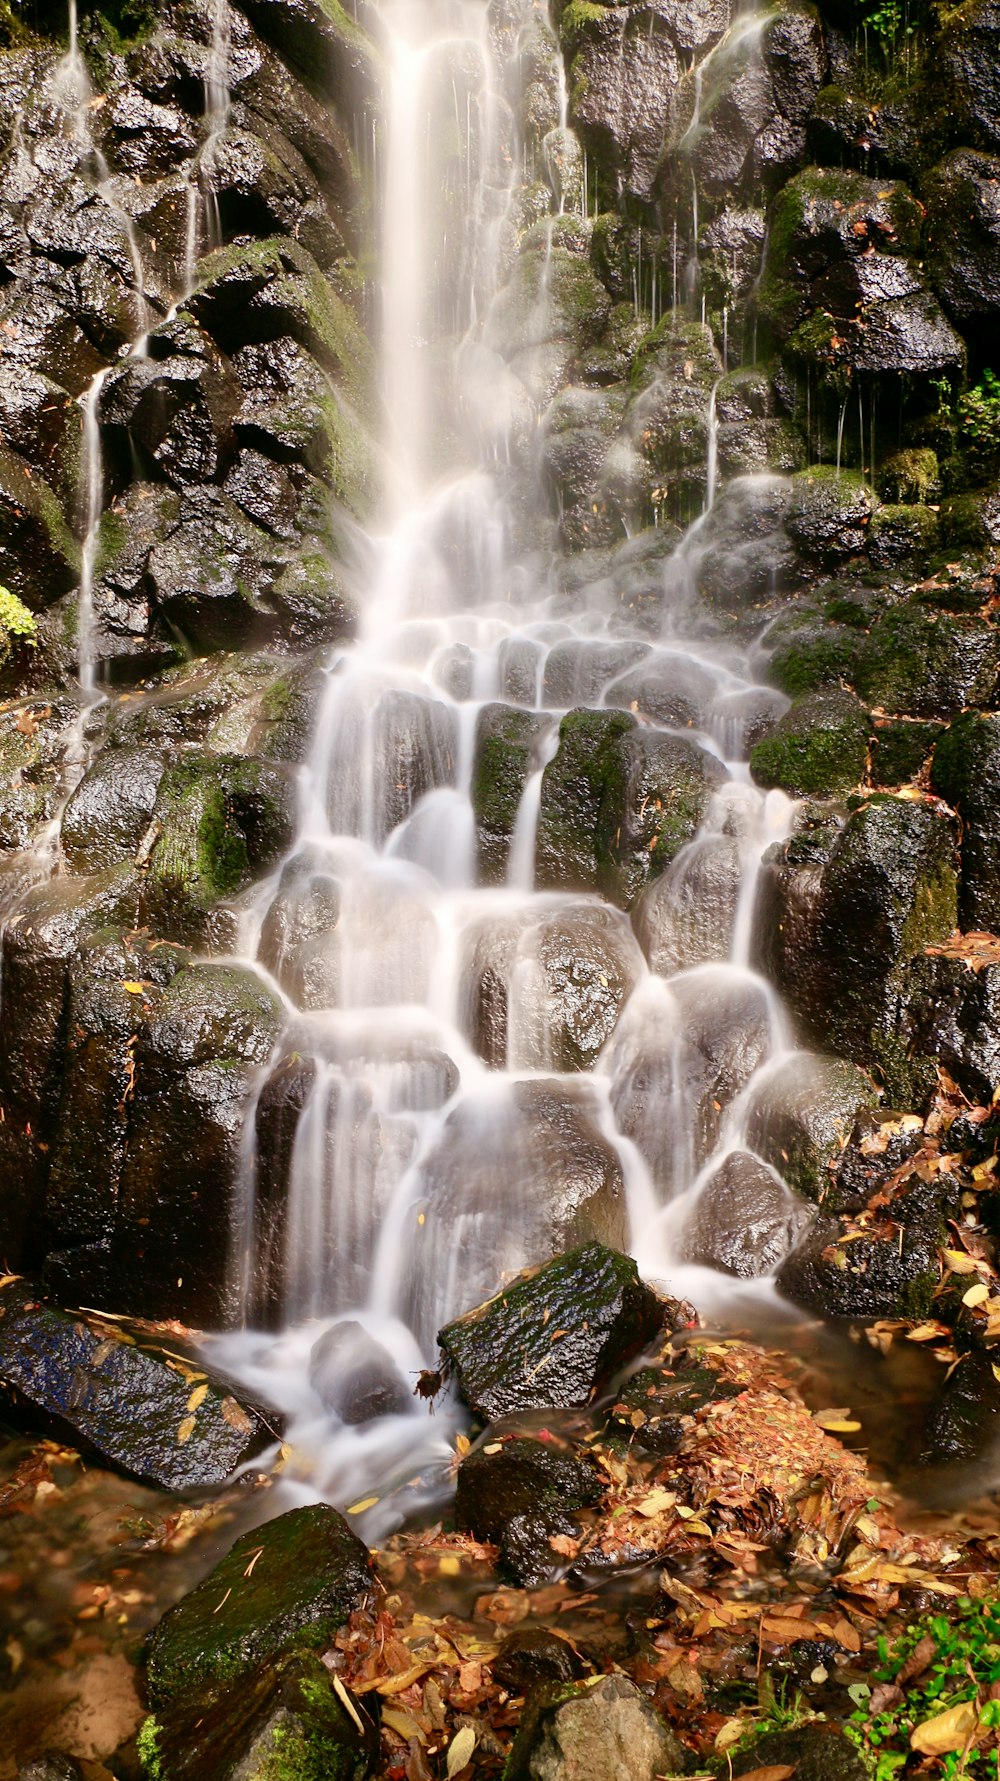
x=236, y=1416
x=841, y=1427
x=134, y=989
x=960, y=1263
x=976, y=1295
x=926, y=1332
x=729, y=1733
x=948, y=1731
x=460, y=1749
x=186, y=1430
x=403, y=1724
x=346, y=1702
x=448, y=1565
x=836, y=1421
x=359, y=1508
x=197, y=1398
x=656, y=1502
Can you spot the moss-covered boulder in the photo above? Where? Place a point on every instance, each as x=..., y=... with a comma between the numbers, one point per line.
x=841, y=912
x=504, y=750
x=963, y=235
x=900, y=749
x=800, y=1115
x=618, y=803
x=284, y=1719
x=902, y=533
x=552, y=1337
x=817, y=749
x=219, y=822
x=39, y=559
x=926, y=663
x=830, y=513
x=966, y=771
x=291, y=1583
x=889, y=1270
x=144, y=1409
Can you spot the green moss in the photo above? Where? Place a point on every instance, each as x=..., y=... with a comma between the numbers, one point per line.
x=147, y=1742
x=818, y=749
x=814, y=656
x=577, y=17
x=900, y=749
x=910, y=476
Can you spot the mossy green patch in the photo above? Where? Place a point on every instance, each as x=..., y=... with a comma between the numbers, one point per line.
x=818, y=748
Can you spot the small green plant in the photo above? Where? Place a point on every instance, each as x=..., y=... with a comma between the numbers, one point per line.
x=979, y=418
x=936, y=1680
x=17, y=624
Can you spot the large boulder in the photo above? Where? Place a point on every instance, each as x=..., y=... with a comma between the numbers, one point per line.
x=555, y=1337
x=963, y=235
x=744, y=1221
x=141, y=1407
x=506, y=738
x=289, y=1584
x=624, y=67
x=966, y=771
x=800, y=1114
x=819, y=748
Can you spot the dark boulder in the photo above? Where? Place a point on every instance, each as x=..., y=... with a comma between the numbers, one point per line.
x=830, y=513
x=950, y=1012
x=966, y=771
x=968, y=65
x=963, y=235
x=309, y=1572
x=755, y=101
x=176, y=405
x=927, y=663
x=531, y=1655
x=506, y=740
x=800, y=1115
x=655, y=1407
x=817, y=1752
x=744, y=1221
x=211, y=572
x=624, y=67
x=355, y=1377
x=521, y=1495
x=38, y=557
x=890, y=1270
x=126, y=1397
x=532, y=1346
x=111, y=809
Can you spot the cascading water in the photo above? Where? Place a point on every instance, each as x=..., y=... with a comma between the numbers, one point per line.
x=448, y=1132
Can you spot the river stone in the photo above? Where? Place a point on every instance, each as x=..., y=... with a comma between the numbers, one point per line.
x=668, y=1402
x=283, y=1719
x=962, y=1420
x=966, y=771
x=819, y=748
x=816, y=1752
x=354, y=1375
x=310, y=1572
x=800, y=1115
x=533, y=1654
x=950, y=1013
x=506, y=1355
x=124, y=1396
x=745, y=1221
x=927, y=664
x=518, y=1498
x=602, y=1732
x=885, y=1273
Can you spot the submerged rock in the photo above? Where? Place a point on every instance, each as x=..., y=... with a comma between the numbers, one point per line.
x=308, y=1573
x=355, y=1377
x=124, y=1396
x=744, y=1221
x=529, y=1347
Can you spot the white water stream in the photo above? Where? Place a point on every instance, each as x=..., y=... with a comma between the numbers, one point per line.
x=443, y=1141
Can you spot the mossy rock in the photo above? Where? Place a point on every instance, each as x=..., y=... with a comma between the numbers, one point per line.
x=223, y=820
x=910, y=476
x=808, y=653
x=830, y=512
x=817, y=749
x=283, y=1722
x=900, y=748
x=901, y=534
x=292, y=1582
x=39, y=558
x=966, y=771
x=618, y=803
x=971, y=521
x=505, y=738
x=921, y=663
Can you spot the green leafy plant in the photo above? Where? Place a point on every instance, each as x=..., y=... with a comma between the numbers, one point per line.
x=935, y=1682
x=979, y=417
x=17, y=624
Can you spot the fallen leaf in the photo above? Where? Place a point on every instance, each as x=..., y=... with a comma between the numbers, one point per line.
x=359, y=1508
x=976, y=1295
x=346, y=1702
x=460, y=1750
x=197, y=1398
x=186, y=1430
x=947, y=1732
x=775, y=1771
x=134, y=989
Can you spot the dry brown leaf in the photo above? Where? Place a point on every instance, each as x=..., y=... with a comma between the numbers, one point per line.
x=947, y=1732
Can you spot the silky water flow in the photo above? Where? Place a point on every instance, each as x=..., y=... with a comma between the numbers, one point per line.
x=430, y=1158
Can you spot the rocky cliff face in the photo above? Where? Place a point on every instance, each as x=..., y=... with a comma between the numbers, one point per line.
x=774, y=277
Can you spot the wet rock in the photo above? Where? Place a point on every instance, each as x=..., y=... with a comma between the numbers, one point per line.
x=110, y=811
x=532, y=1655
x=54, y=1766
x=310, y=1572
x=950, y=1012
x=525, y=1175
x=549, y=996
x=754, y=105
x=577, y=672
x=38, y=558
x=312, y=605
x=594, y=1733
x=686, y=917
x=518, y=1498
x=355, y=1377
x=306, y=908
x=196, y=1058
x=667, y=1402
x=30, y=760
x=210, y=574
x=927, y=663
x=891, y=1270
x=123, y=1396
x=504, y=751
x=745, y=554
x=971, y=521
x=744, y=1221
x=837, y=924
x=551, y=308
x=284, y=1716
x=902, y=534
x=131, y=637
x=618, y=803
x=504, y=1353
x=881, y=1141
x=963, y=235
x=668, y=688
x=966, y=771
x=176, y=405
x=961, y=1421
x=819, y=748
x=322, y=45
x=221, y=821
x=624, y=66
x=265, y=491
x=800, y=1115
x=970, y=84
x=830, y=513
x=674, y=371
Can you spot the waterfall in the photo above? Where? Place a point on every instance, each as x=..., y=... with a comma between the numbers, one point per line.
x=473, y=1055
